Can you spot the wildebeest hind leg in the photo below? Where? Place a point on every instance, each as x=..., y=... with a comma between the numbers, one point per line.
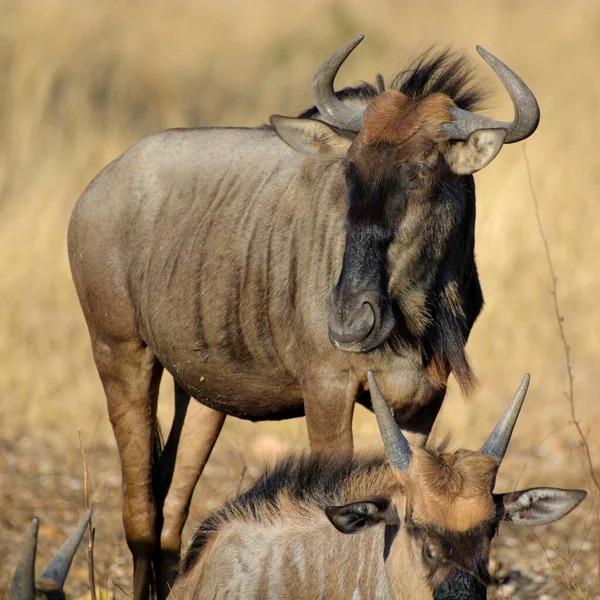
x=131, y=376
x=193, y=434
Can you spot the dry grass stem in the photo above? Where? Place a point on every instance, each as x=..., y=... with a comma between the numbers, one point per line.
x=91, y=530
x=570, y=395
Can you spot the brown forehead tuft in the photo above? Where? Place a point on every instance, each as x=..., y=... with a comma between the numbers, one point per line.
x=451, y=491
x=392, y=117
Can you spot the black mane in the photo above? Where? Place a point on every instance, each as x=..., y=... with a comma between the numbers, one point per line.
x=318, y=479
x=440, y=71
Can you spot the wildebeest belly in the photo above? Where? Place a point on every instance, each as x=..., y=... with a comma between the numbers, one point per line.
x=220, y=373
x=235, y=389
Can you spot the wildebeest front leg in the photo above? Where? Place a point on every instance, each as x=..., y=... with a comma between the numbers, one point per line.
x=329, y=408
x=131, y=376
x=191, y=439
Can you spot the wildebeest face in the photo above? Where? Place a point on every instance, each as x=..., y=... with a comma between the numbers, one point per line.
x=441, y=522
x=401, y=169
x=397, y=176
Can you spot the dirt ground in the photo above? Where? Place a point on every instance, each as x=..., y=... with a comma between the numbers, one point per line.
x=555, y=561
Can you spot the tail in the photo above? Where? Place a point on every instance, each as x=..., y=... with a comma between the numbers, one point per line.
x=159, y=443
x=157, y=450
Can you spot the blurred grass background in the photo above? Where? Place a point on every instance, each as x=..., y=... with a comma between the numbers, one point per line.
x=83, y=81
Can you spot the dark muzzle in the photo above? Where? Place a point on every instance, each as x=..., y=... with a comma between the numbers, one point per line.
x=460, y=586
x=358, y=322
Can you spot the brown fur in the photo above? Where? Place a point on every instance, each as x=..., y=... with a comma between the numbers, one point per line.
x=393, y=118
x=451, y=490
x=438, y=370
x=279, y=498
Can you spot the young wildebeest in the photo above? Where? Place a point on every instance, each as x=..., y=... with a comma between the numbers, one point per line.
x=214, y=253
x=51, y=581
x=424, y=519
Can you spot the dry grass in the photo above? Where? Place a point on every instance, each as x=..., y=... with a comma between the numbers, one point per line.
x=84, y=81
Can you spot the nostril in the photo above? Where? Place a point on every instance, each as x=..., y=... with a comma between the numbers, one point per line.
x=365, y=317
x=354, y=328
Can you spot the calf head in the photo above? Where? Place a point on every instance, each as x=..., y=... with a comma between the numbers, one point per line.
x=441, y=513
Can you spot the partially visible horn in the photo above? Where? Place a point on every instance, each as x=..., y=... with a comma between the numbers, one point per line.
x=59, y=566
x=334, y=111
x=22, y=586
x=499, y=439
x=527, y=110
x=396, y=445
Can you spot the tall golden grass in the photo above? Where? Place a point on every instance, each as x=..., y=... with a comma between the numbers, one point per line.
x=81, y=82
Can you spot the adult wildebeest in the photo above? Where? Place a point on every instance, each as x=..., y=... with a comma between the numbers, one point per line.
x=213, y=253
x=51, y=581
x=423, y=518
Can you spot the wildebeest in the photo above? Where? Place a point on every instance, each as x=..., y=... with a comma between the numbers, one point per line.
x=234, y=258
x=51, y=581
x=423, y=520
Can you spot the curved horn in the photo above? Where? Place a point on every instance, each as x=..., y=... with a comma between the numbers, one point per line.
x=527, y=110
x=59, y=566
x=396, y=445
x=497, y=443
x=334, y=111
x=22, y=586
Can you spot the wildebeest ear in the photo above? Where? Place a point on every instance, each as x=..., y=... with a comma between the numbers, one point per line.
x=537, y=506
x=480, y=148
x=310, y=136
x=357, y=516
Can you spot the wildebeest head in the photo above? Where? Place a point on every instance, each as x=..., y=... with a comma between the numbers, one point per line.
x=409, y=154
x=51, y=581
x=442, y=515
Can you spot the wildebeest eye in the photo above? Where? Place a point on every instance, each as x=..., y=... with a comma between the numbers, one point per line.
x=431, y=553
x=414, y=175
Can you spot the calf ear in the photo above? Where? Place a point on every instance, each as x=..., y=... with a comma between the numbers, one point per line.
x=310, y=136
x=357, y=516
x=480, y=148
x=537, y=506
